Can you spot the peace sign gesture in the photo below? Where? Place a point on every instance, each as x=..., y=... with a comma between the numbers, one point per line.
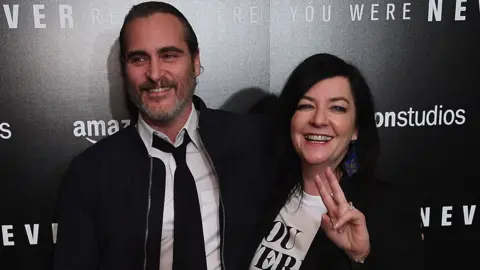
x=343, y=224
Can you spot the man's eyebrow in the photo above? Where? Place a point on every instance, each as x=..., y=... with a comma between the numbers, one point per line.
x=170, y=49
x=136, y=53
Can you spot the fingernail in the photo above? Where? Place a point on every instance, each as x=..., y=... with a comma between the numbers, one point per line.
x=336, y=226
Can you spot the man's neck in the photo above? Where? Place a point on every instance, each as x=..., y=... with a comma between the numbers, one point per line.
x=172, y=128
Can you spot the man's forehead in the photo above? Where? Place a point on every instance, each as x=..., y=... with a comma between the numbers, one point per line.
x=158, y=30
x=157, y=22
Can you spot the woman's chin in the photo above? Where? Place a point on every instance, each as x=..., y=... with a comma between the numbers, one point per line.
x=316, y=161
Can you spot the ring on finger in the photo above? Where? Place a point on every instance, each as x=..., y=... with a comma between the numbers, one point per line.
x=350, y=206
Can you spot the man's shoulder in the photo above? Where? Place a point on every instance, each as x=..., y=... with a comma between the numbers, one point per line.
x=242, y=134
x=115, y=146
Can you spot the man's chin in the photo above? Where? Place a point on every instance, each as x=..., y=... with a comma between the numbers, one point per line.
x=163, y=111
x=160, y=114
x=155, y=115
x=162, y=106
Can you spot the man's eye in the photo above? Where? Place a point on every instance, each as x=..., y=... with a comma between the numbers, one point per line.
x=138, y=59
x=169, y=56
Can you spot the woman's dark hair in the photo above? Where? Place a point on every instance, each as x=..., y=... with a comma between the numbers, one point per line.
x=308, y=73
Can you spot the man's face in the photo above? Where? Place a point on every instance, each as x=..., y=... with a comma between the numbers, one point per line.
x=160, y=71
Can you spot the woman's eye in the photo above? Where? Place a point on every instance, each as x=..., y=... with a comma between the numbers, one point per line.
x=339, y=109
x=304, y=106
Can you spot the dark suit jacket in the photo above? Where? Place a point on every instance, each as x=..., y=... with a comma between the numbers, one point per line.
x=103, y=203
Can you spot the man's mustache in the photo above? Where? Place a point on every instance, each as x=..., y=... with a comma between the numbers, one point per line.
x=163, y=83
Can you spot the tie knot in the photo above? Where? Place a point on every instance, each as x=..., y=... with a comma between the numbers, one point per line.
x=165, y=146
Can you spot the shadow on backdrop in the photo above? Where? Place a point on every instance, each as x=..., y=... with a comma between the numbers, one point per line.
x=250, y=100
x=265, y=105
x=120, y=105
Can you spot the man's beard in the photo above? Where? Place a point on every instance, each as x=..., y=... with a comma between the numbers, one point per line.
x=160, y=115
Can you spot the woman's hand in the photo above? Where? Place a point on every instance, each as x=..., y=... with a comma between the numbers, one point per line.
x=343, y=224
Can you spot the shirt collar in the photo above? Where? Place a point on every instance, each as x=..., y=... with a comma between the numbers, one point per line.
x=191, y=127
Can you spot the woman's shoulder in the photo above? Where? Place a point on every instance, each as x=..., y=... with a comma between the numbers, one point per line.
x=395, y=206
x=396, y=190
x=393, y=221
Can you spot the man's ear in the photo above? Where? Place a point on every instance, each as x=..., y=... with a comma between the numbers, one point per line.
x=196, y=63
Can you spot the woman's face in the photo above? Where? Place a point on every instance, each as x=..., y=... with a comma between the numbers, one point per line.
x=324, y=122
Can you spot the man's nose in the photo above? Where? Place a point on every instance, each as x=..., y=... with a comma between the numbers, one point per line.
x=155, y=71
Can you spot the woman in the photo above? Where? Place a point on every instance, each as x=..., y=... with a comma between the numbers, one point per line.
x=329, y=211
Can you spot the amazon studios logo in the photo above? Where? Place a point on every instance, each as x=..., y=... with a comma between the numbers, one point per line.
x=437, y=116
x=94, y=129
x=5, y=132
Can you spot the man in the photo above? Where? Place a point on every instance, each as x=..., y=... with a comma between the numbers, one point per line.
x=134, y=200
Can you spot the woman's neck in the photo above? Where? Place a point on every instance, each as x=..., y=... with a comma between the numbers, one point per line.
x=309, y=172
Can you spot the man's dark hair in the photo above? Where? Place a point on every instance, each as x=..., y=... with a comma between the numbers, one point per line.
x=146, y=9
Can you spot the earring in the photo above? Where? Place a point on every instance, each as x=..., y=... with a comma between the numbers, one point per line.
x=350, y=165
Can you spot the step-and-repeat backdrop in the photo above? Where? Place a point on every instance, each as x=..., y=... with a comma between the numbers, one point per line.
x=61, y=92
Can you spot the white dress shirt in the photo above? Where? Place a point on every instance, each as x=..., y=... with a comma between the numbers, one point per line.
x=207, y=189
